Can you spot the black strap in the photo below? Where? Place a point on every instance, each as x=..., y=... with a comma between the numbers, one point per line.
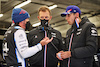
x=14, y=65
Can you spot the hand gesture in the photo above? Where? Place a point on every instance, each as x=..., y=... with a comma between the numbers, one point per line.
x=45, y=41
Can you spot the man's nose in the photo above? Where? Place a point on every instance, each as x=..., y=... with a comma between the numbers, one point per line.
x=66, y=17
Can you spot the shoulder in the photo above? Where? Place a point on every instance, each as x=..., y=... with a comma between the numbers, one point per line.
x=90, y=28
x=89, y=24
x=54, y=30
x=33, y=30
x=19, y=34
x=20, y=31
x=85, y=22
x=17, y=27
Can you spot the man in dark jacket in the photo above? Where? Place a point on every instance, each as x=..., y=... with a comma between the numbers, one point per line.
x=81, y=38
x=53, y=47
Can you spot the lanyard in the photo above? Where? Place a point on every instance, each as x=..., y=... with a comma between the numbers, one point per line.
x=70, y=43
x=45, y=51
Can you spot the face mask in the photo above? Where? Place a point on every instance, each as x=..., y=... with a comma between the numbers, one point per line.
x=44, y=23
x=28, y=25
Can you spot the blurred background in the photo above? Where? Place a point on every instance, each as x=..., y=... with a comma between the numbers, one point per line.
x=89, y=8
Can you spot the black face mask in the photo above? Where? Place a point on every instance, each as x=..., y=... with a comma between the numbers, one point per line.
x=28, y=26
x=44, y=23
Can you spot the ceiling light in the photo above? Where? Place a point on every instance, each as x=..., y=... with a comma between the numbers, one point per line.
x=52, y=7
x=1, y=15
x=23, y=4
x=37, y=24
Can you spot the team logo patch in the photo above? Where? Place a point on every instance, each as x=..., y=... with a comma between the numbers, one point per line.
x=21, y=36
x=35, y=36
x=93, y=31
x=22, y=12
x=79, y=31
x=53, y=34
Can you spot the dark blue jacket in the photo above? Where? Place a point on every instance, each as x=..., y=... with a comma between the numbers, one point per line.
x=84, y=43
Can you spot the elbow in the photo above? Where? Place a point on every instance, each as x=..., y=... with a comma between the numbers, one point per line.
x=24, y=55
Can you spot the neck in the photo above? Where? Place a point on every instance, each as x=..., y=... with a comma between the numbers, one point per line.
x=80, y=20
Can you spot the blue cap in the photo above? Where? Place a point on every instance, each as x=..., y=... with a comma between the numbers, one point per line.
x=19, y=14
x=71, y=9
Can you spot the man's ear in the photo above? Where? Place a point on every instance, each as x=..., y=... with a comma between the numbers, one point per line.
x=77, y=15
x=50, y=17
x=38, y=18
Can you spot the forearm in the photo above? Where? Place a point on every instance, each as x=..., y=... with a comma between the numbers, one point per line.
x=29, y=51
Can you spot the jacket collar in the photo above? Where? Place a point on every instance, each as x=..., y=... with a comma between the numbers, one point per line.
x=84, y=20
x=74, y=27
x=41, y=29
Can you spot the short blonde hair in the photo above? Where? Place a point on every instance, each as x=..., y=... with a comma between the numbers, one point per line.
x=44, y=8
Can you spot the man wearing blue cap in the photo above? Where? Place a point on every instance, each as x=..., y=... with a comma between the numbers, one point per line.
x=15, y=44
x=81, y=39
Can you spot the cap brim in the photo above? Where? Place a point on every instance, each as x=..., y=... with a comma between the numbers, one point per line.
x=64, y=14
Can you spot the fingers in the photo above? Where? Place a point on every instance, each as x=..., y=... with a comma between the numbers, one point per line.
x=50, y=39
x=63, y=55
x=46, y=38
x=66, y=54
x=58, y=55
x=61, y=52
x=45, y=41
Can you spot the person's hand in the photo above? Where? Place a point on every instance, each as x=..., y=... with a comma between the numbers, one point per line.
x=45, y=41
x=58, y=55
x=66, y=54
x=63, y=55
